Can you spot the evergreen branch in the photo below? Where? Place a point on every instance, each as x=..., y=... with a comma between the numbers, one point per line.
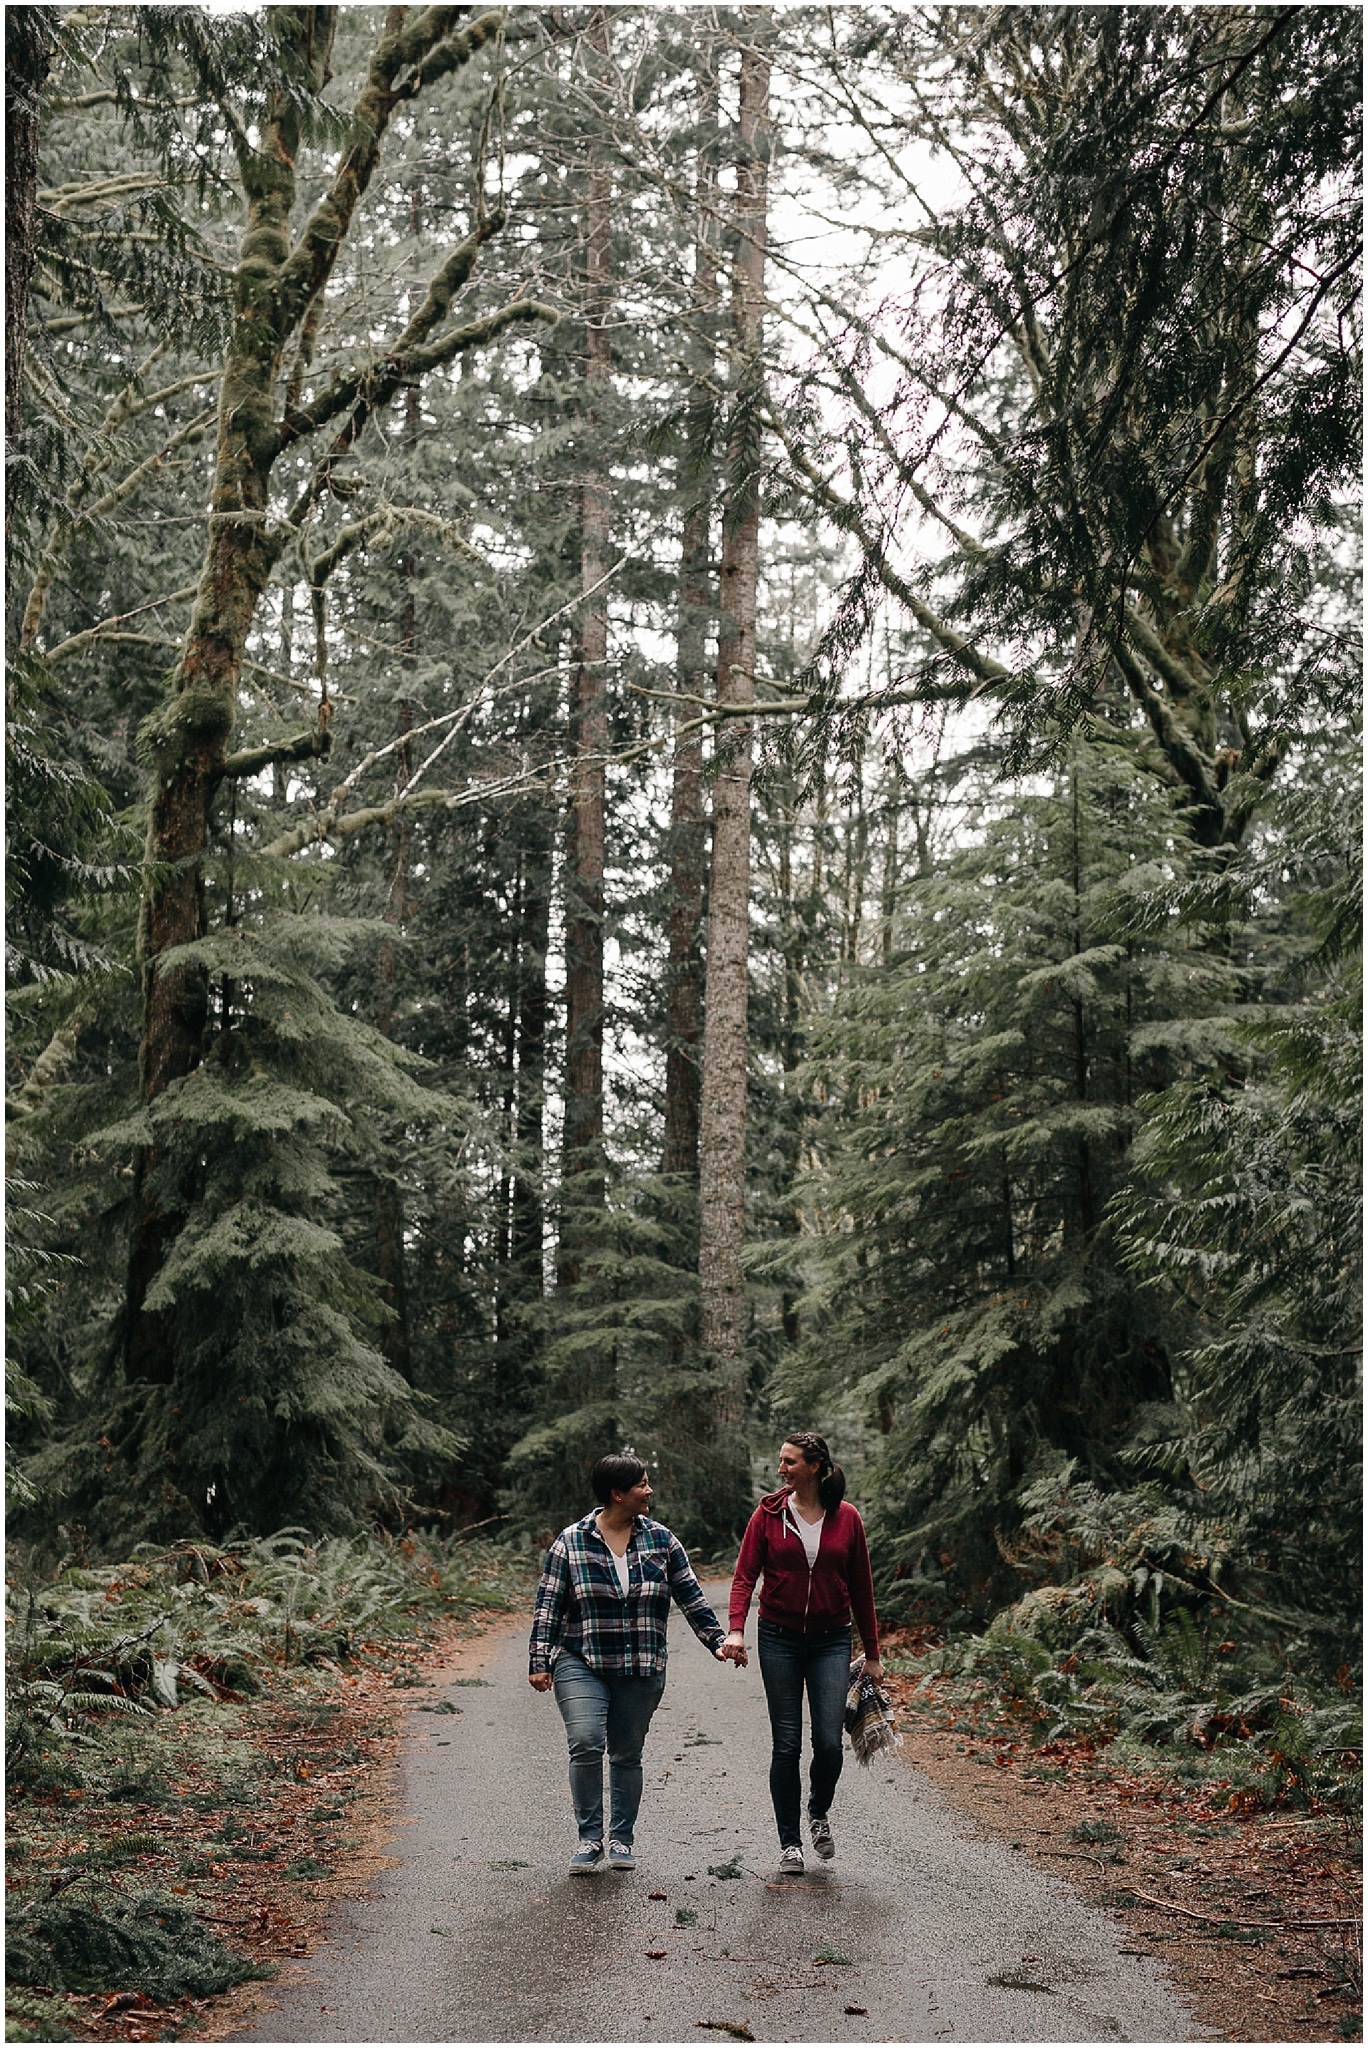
x=383, y=522
x=377, y=386
x=327, y=824
x=67, y=323
x=50, y=392
x=986, y=672
x=109, y=96
x=77, y=641
x=1245, y=398
x=711, y=709
x=309, y=745
x=55, y=199
x=112, y=499
x=126, y=640
x=454, y=273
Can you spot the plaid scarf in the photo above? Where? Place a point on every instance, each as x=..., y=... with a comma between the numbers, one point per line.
x=869, y=1716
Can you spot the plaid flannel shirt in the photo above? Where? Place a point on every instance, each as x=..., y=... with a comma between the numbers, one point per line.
x=581, y=1607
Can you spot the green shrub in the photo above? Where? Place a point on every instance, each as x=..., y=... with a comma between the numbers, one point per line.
x=149, y=1943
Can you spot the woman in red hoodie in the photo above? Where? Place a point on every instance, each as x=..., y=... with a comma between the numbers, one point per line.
x=808, y=1544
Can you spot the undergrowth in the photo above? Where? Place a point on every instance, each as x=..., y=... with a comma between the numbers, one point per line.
x=94, y=1643
x=1175, y=1693
x=134, y=1761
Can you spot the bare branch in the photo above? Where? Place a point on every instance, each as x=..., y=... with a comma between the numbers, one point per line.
x=77, y=641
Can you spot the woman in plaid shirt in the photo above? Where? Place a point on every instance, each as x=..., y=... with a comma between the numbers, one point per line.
x=598, y=1638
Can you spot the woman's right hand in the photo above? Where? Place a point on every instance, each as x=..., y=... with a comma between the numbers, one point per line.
x=540, y=1681
x=734, y=1649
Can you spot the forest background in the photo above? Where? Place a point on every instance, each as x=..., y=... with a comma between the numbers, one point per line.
x=683, y=761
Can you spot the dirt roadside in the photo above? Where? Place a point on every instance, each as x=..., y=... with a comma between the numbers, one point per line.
x=1258, y=1915
x=455, y=1660
x=266, y=1814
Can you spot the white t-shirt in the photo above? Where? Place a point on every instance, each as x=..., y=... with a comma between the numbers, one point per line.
x=619, y=1565
x=809, y=1534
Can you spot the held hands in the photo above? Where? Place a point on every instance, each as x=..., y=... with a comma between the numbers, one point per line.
x=733, y=1650
x=873, y=1669
x=540, y=1681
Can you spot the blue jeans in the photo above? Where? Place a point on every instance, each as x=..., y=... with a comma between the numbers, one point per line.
x=604, y=1713
x=790, y=1660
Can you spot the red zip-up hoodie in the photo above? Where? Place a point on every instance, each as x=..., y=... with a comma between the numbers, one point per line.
x=794, y=1597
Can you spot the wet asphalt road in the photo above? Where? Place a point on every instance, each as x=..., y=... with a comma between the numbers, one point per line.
x=479, y=1933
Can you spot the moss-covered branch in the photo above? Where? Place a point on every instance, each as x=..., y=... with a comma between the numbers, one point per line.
x=311, y=745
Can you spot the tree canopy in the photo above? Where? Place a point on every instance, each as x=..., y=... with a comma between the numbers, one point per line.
x=683, y=740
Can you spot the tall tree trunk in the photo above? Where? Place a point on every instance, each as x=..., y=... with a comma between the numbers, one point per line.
x=688, y=824
x=888, y=895
x=389, y=1215
x=722, y=1162
x=29, y=34
x=584, y=1181
x=529, y=1216
x=503, y=1210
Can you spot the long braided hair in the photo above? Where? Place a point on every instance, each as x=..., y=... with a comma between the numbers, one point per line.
x=831, y=1479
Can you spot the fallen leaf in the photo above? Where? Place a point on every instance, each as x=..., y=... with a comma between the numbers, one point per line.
x=655, y=1955
x=655, y=1895
x=860, y=2011
x=737, y=2030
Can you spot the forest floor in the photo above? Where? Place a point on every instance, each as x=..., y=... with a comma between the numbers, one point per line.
x=1258, y=1914
x=260, y=1815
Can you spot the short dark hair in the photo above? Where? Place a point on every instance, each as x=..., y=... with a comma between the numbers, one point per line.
x=617, y=1473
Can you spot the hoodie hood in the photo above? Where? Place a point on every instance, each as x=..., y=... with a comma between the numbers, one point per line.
x=775, y=1503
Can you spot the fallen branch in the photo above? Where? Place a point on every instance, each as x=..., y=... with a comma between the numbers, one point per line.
x=1224, y=1919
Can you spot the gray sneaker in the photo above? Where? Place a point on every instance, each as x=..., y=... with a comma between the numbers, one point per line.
x=819, y=1827
x=791, y=1862
x=588, y=1856
x=620, y=1856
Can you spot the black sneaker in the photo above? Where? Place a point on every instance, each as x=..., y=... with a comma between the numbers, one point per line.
x=819, y=1827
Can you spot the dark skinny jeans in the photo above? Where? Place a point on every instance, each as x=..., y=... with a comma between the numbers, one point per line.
x=789, y=1661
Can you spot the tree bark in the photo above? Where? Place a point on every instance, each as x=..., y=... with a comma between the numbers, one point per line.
x=584, y=1180
x=722, y=1163
x=389, y=1213
x=688, y=824
x=29, y=35
x=529, y=1218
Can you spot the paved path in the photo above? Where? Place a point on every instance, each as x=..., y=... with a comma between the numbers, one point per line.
x=479, y=1933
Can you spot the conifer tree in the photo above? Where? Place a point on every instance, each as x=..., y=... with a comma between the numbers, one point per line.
x=722, y=1123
